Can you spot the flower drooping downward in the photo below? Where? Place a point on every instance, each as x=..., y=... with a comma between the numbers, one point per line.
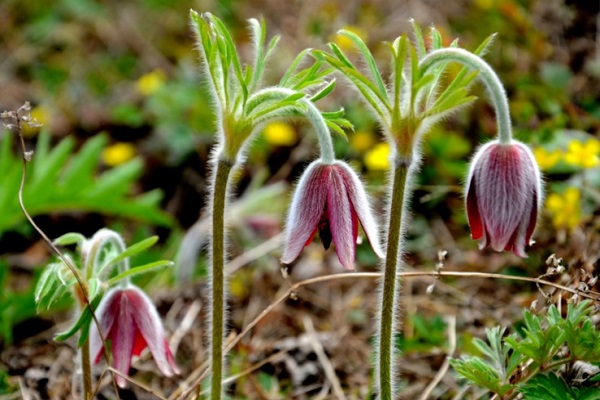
x=329, y=199
x=129, y=320
x=503, y=195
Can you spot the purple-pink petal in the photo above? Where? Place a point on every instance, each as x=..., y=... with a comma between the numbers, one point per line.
x=306, y=209
x=122, y=337
x=340, y=215
x=360, y=204
x=149, y=324
x=106, y=313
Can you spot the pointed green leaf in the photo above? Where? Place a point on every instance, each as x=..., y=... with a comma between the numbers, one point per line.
x=324, y=92
x=370, y=60
x=140, y=270
x=84, y=319
x=421, y=50
x=132, y=250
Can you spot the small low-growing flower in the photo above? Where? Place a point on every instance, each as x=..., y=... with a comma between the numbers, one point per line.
x=130, y=322
x=280, y=134
x=378, y=158
x=585, y=155
x=547, y=159
x=329, y=199
x=503, y=195
x=565, y=208
x=118, y=153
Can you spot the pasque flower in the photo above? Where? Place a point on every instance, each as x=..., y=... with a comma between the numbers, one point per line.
x=130, y=322
x=329, y=199
x=503, y=195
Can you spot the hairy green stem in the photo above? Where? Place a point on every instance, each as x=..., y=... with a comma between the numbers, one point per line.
x=217, y=317
x=488, y=77
x=314, y=116
x=86, y=367
x=391, y=283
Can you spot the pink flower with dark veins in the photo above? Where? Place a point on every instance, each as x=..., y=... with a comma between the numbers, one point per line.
x=329, y=199
x=130, y=322
x=504, y=192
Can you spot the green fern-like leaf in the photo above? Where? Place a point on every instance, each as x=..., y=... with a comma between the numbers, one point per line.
x=60, y=180
x=552, y=387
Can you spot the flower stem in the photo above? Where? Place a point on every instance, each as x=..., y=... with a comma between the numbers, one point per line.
x=86, y=367
x=488, y=77
x=314, y=116
x=390, y=283
x=86, y=362
x=221, y=177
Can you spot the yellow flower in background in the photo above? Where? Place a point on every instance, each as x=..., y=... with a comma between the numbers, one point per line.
x=118, y=153
x=484, y=4
x=40, y=114
x=378, y=158
x=565, y=208
x=584, y=155
x=547, y=159
x=346, y=44
x=151, y=82
x=362, y=141
x=280, y=134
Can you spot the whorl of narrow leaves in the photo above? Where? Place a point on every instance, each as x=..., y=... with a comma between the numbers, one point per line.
x=242, y=104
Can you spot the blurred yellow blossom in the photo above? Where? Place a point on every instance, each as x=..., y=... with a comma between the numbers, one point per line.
x=151, y=82
x=346, y=44
x=565, y=208
x=484, y=4
x=118, y=153
x=280, y=134
x=547, y=159
x=583, y=154
x=377, y=159
x=40, y=114
x=362, y=141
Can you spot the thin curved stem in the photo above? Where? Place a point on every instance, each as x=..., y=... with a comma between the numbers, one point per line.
x=81, y=283
x=217, y=275
x=488, y=77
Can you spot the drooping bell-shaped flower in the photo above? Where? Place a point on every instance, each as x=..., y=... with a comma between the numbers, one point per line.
x=130, y=322
x=503, y=195
x=329, y=199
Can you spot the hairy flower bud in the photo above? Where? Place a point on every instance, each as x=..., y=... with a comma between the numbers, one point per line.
x=330, y=199
x=503, y=195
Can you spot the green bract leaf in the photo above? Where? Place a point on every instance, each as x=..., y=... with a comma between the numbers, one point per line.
x=83, y=321
x=421, y=50
x=140, y=269
x=131, y=251
x=324, y=92
x=368, y=57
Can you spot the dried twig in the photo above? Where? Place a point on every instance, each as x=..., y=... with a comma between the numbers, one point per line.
x=323, y=359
